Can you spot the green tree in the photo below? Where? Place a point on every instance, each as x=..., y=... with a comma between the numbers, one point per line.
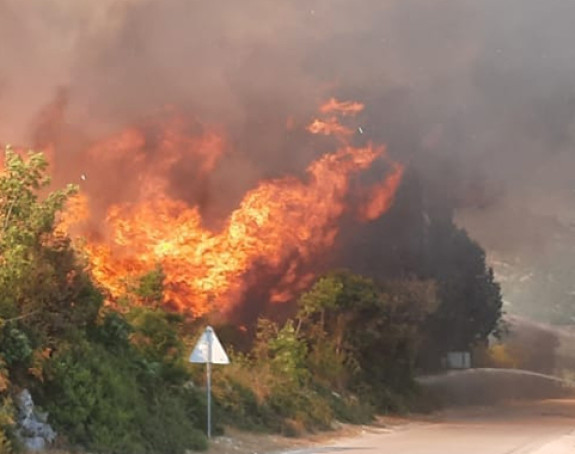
x=43, y=286
x=150, y=288
x=112, y=383
x=470, y=299
x=46, y=297
x=364, y=336
x=155, y=332
x=418, y=239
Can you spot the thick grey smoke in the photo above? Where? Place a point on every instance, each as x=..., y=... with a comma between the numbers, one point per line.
x=486, y=86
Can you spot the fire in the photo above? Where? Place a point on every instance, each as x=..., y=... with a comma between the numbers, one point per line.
x=381, y=195
x=328, y=127
x=281, y=224
x=77, y=209
x=331, y=125
x=149, y=153
x=341, y=107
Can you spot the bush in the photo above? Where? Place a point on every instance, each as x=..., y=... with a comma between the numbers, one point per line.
x=237, y=404
x=170, y=427
x=93, y=398
x=272, y=389
x=347, y=408
x=15, y=346
x=8, y=441
x=96, y=397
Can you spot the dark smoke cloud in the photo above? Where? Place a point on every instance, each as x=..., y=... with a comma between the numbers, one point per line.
x=479, y=96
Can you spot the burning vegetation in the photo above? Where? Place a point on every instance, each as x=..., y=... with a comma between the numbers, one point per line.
x=282, y=225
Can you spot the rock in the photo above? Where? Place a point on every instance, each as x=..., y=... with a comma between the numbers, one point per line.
x=32, y=427
x=35, y=444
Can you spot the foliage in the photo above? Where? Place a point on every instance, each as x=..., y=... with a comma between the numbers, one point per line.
x=8, y=443
x=150, y=289
x=419, y=239
x=350, y=338
x=156, y=336
x=7, y=439
x=117, y=400
x=113, y=331
x=466, y=279
x=282, y=351
x=38, y=269
x=16, y=345
x=350, y=350
x=172, y=424
x=110, y=382
x=364, y=337
x=271, y=388
x=93, y=398
x=470, y=300
x=45, y=294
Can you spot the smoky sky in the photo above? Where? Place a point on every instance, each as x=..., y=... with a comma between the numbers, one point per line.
x=484, y=88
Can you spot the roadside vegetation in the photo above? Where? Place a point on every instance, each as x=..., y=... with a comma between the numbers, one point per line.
x=118, y=380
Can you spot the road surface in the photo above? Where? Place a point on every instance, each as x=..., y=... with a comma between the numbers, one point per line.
x=545, y=427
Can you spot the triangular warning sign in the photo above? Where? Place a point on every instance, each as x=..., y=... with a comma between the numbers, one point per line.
x=208, y=349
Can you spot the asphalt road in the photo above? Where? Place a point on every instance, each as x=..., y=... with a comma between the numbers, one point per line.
x=545, y=427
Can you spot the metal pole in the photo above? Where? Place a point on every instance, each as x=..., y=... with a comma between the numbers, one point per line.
x=209, y=376
x=209, y=371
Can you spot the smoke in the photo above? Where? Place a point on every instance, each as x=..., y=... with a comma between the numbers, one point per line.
x=484, y=89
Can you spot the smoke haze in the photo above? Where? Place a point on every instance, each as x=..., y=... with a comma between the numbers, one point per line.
x=478, y=96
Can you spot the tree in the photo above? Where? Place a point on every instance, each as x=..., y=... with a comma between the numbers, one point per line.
x=45, y=292
x=364, y=336
x=46, y=297
x=471, y=303
x=419, y=240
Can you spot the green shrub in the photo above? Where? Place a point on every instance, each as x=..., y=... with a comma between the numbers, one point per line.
x=113, y=331
x=347, y=407
x=95, y=397
x=301, y=404
x=15, y=346
x=237, y=404
x=8, y=441
x=169, y=426
x=272, y=388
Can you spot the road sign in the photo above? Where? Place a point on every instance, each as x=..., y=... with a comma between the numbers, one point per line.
x=209, y=350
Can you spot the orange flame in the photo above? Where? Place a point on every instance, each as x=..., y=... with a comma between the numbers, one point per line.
x=281, y=224
x=328, y=127
x=343, y=108
x=331, y=125
x=381, y=195
x=77, y=210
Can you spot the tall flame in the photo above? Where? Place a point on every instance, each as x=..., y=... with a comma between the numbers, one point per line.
x=279, y=225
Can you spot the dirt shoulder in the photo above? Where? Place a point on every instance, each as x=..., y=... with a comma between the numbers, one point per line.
x=239, y=442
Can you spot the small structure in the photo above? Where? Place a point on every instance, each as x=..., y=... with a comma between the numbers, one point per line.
x=457, y=360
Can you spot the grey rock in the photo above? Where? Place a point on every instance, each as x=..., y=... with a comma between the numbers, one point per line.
x=35, y=444
x=32, y=426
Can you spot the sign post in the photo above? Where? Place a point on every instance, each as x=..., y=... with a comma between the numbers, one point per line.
x=209, y=350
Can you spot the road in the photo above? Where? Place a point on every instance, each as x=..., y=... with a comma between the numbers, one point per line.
x=545, y=427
